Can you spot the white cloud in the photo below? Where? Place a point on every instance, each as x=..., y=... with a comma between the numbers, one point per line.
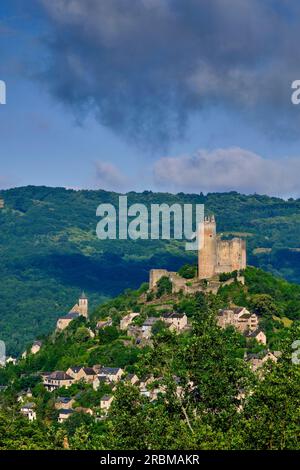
x=231, y=169
x=109, y=177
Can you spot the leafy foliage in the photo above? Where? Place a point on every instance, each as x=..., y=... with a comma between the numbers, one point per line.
x=164, y=286
x=188, y=271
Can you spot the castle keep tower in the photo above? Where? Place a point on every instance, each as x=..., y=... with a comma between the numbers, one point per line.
x=208, y=251
x=217, y=256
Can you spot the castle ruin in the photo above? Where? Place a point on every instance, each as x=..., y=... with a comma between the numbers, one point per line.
x=215, y=256
x=218, y=256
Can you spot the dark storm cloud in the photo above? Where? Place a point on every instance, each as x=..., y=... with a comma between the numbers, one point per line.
x=143, y=67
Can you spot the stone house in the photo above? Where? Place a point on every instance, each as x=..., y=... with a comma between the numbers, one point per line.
x=57, y=380
x=87, y=411
x=100, y=380
x=64, y=414
x=143, y=385
x=22, y=396
x=176, y=321
x=64, y=403
x=258, y=360
x=147, y=326
x=105, y=402
x=112, y=374
x=127, y=320
x=87, y=374
x=73, y=371
x=239, y=317
x=36, y=347
x=28, y=410
x=131, y=378
x=258, y=334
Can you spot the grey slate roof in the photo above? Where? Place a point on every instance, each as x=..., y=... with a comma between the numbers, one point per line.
x=65, y=412
x=63, y=400
x=106, y=398
x=173, y=315
x=102, y=378
x=109, y=370
x=253, y=334
x=70, y=316
x=88, y=370
x=29, y=405
x=76, y=369
x=59, y=375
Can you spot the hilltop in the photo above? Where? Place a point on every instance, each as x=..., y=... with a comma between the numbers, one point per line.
x=185, y=381
x=49, y=250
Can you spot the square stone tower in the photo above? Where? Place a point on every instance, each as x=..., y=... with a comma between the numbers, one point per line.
x=207, y=255
x=217, y=256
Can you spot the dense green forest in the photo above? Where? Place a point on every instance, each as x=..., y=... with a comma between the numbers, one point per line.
x=50, y=252
x=228, y=406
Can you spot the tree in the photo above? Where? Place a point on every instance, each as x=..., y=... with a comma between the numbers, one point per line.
x=272, y=414
x=164, y=286
x=188, y=271
x=264, y=305
x=75, y=421
x=82, y=334
x=108, y=334
x=158, y=327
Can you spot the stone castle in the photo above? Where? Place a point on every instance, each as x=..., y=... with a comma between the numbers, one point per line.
x=215, y=256
x=218, y=256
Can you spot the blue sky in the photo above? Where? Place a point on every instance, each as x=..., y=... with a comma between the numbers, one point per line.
x=163, y=95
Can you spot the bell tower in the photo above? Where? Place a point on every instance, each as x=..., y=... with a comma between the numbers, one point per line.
x=83, y=305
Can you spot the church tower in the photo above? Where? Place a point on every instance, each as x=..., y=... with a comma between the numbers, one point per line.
x=207, y=254
x=83, y=305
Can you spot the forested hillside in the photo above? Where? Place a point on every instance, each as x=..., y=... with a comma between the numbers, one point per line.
x=202, y=391
x=50, y=252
